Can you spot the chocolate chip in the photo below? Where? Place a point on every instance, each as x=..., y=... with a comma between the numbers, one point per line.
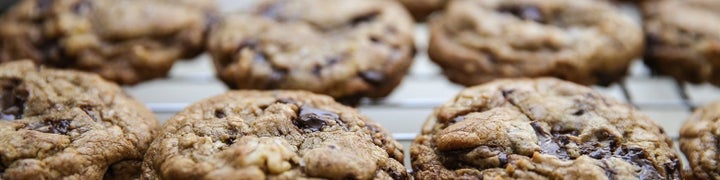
x=81, y=7
x=44, y=5
x=506, y=92
x=278, y=75
x=91, y=112
x=247, y=43
x=271, y=11
x=553, y=145
x=350, y=100
x=219, y=114
x=285, y=101
x=59, y=126
x=526, y=12
x=375, y=40
x=672, y=169
x=229, y=140
x=364, y=18
x=350, y=176
x=12, y=99
x=316, y=70
x=373, y=78
x=314, y=119
x=333, y=60
x=502, y=157
x=457, y=119
x=579, y=112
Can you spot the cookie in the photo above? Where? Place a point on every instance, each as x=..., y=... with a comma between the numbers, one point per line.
x=420, y=9
x=587, y=42
x=59, y=124
x=541, y=129
x=683, y=39
x=272, y=135
x=699, y=139
x=347, y=49
x=125, y=41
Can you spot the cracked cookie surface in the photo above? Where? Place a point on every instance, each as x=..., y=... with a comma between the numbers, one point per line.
x=541, y=129
x=699, y=141
x=683, y=39
x=125, y=41
x=57, y=124
x=347, y=49
x=587, y=42
x=273, y=135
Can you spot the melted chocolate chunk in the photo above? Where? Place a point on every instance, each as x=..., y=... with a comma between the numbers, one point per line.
x=91, y=112
x=44, y=5
x=350, y=100
x=551, y=144
x=219, y=114
x=373, y=78
x=457, y=119
x=285, y=101
x=272, y=11
x=579, y=112
x=81, y=7
x=364, y=18
x=12, y=99
x=314, y=119
x=526, y=12
x=61, y=126
x=317, y=70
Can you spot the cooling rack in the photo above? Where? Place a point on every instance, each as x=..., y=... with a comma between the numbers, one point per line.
x=402, y=113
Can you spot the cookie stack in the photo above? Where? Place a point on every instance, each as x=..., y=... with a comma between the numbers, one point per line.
x=295, y=65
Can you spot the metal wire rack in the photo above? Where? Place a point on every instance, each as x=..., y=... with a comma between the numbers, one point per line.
x=665, y=100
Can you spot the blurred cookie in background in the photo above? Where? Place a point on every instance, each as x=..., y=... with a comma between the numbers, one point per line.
x=584, y=41
x=683, y=39
x=348, y=49
x=127, y=41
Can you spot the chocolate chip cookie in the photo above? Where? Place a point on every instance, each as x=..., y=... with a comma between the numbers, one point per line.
x=58, y=124
x=683, y=39
x=541, y=129
x=699, y=141
x=272, y=135
x=420, y=9
x=587, y=42
x=126, y=41
x=347, y=49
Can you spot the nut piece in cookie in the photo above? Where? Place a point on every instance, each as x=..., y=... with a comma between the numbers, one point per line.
x=60, y=124
x=348, y=49
x=587, y=42
x=126, y=41
x=273, y=135
x=541, y=129
x=683, y=39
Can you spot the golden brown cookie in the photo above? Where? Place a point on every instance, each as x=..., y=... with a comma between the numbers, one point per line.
x=126, y=41
x=541, y=129
x=347, y=49
x=699, y=141
x=273, y=135
x=58, y=124
x=584, y=41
